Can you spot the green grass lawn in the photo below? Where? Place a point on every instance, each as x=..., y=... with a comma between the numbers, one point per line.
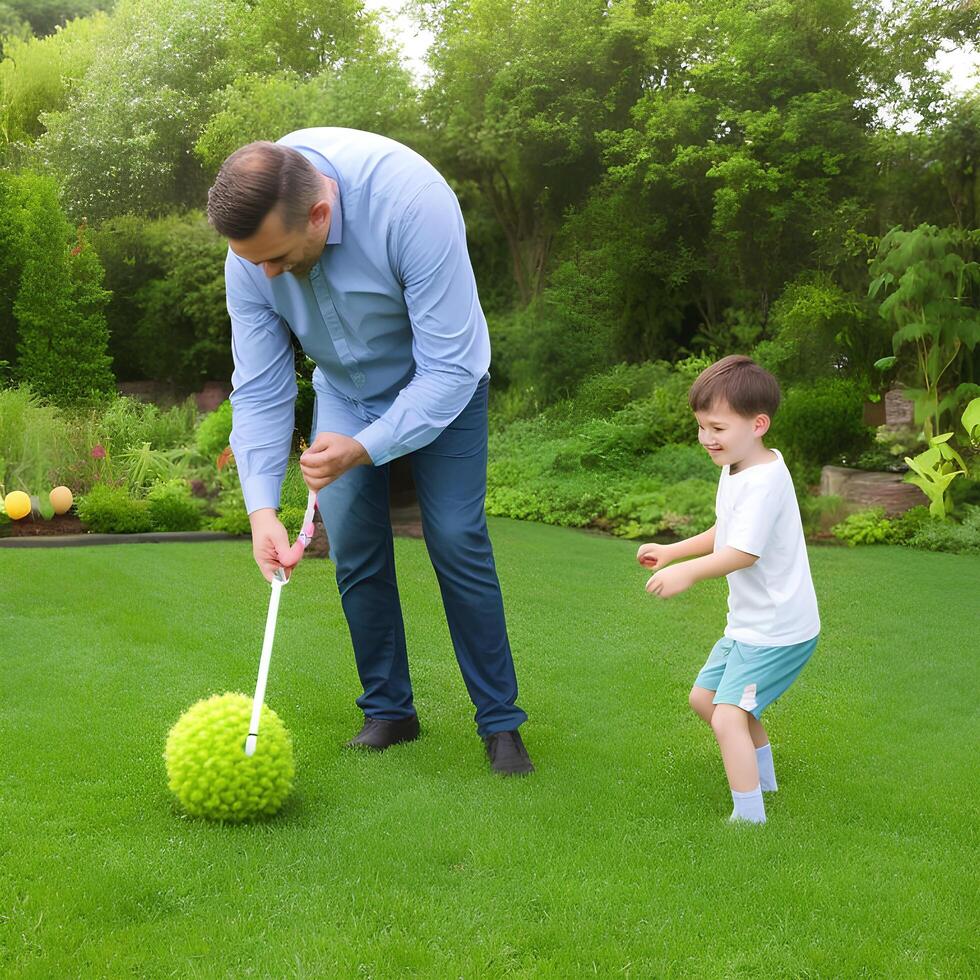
x=614, y=859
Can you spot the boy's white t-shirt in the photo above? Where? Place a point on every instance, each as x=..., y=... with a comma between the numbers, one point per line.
x=770, y=603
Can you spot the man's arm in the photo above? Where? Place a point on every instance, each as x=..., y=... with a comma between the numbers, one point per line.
x=263, y=390
x=449, y=333
x=263, y=398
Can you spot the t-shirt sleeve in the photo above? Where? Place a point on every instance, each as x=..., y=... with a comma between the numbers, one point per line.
x=754, y=514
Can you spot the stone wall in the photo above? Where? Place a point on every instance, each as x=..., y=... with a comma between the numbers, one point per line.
x=869, y=489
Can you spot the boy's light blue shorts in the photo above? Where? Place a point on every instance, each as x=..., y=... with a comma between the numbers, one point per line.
x=752, y=677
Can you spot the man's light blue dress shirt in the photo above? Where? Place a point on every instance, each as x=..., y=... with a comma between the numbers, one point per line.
x=390, y=313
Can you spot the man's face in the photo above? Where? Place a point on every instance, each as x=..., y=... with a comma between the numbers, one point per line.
x=727, y=436
x=279, y=250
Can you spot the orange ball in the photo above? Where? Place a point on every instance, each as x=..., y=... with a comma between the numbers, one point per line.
x=61, y=500
x=17, y=504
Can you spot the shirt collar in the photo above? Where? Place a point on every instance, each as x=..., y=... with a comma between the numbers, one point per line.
x=335, y=234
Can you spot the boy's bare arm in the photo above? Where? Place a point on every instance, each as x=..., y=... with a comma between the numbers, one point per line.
x=672, y=581
x=660, y=555
x=700, y=544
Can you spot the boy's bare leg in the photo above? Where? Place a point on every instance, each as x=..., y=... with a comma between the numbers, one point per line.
x=759, y=735
x=700, y=700
x=731, y=728
x=702, y=703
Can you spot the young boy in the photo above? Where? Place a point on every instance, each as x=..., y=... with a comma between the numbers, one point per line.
x=757, y=542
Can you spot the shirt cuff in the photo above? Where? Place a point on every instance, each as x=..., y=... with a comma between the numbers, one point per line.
x=379, y=441
x=261, y=491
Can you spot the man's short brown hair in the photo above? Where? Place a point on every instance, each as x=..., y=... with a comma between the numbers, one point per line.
x=740, y=383
x=254, y=180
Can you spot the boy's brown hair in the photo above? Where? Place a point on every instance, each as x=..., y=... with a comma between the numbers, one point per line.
x=738, y=381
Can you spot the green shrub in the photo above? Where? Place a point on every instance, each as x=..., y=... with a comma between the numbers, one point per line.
x=682, y=509
x=602, y=394
x=172, y=507
x=214, y=431
x=121, y=423
x=172, y=428
x=232, y=521
x=820, y=514
x=539, y=346
x=864, y=527
x=816, y=326
x=675, y=462
x=107, y=509
x=818, y=422
x=33, y=438
x=167, y=314
x=934, y=534
x=916, y=528
x=906, y=526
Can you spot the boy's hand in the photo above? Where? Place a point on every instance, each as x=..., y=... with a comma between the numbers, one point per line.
x=654, y=555
x=670, y=581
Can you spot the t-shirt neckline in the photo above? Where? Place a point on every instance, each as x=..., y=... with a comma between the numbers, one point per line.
x=772, y=462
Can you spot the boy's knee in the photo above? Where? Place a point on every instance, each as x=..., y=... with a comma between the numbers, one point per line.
x=700, y=701
x=727, y=719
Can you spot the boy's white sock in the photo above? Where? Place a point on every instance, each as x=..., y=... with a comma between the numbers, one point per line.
x=767, y=774
x=749, y=806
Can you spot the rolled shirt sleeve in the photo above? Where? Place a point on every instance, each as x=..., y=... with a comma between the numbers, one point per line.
x=450, y=341
x=263, y=394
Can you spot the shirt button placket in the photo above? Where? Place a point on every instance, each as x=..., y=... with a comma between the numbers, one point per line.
x=332, y=319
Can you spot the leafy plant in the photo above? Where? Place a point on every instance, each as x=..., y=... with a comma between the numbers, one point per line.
x=864, y=527
x=32, y=440
x=146, y=466
x=927, y=287
x=934, y=470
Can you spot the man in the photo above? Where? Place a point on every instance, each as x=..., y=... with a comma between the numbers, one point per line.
x=356, y=245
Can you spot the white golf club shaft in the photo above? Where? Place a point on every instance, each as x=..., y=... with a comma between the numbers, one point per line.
x=270, y=632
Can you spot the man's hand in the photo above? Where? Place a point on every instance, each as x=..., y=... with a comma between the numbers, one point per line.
x=670, y=581
x=655, y=555
x=330, y=457
x=270, y=542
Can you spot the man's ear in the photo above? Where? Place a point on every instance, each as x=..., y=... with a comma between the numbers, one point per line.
x=761, y=425
x=320, y=213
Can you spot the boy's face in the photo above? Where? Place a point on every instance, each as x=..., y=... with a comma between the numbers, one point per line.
x=729, y=437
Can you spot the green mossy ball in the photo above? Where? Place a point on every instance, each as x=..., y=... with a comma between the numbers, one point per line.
x=207, y=768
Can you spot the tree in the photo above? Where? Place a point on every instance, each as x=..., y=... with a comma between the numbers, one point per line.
x=38, y=73
x=518, y=93
x=59, y=307
x=124, y=141
x=44, y=17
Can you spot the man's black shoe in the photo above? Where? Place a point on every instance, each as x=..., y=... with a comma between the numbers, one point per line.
x=378, y=734
x=507, y=754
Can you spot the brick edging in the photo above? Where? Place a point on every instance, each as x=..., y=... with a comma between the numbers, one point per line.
x=81, y=540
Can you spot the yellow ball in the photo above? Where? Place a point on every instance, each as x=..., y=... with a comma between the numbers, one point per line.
x=61, y=500
x=17, y=504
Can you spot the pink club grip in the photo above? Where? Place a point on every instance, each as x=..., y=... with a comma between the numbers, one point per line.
x=295, y=553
